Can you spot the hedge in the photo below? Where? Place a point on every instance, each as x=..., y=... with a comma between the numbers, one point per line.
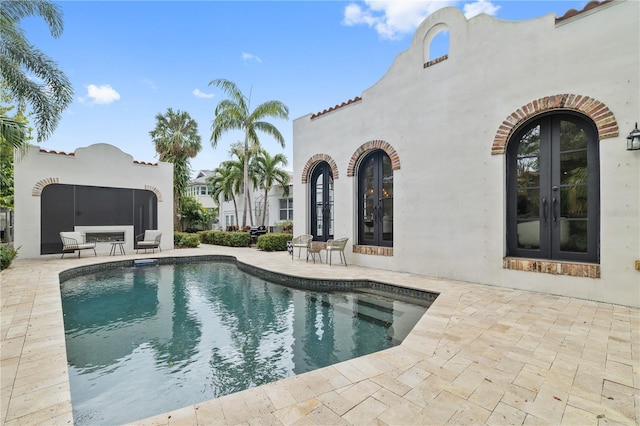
x=273, y=241
x=7, y=254
x=184, y=239
x=223, y=238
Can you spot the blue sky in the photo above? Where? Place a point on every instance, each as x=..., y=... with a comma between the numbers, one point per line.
x=130, y=60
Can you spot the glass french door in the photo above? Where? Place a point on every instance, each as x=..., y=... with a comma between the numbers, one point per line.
x=375, y=200
x=553, y=200
x=322, y=202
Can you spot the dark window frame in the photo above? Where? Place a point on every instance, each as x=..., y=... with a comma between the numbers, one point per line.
x=322, y=169
x=376, y=222
x=550, y=220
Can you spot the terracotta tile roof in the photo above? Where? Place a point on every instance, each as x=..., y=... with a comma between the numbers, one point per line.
x=144, y=163
x=333, y=108
x=51, y=151
x=573, y=12
x=72, y=154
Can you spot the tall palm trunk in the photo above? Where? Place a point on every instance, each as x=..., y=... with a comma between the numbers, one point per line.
x=264, y=207
x=246, y=180
x=235, y=207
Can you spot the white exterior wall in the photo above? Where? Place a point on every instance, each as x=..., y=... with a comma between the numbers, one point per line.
x=273, y=207
x=96, y=165
x=449, y=193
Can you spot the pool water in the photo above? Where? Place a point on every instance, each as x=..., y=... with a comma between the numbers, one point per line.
x=144, y=341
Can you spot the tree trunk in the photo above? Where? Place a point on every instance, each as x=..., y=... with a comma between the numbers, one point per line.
x=264, y=208
x=176, y=220
x=246, y=180
x=235, y=207
x=250, y=211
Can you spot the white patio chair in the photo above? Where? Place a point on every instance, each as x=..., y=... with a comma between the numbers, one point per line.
x=72, y=241
x=301, y=241
x=149, y=240
x=337, y=245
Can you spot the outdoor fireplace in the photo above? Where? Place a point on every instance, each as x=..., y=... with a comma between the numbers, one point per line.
x=103, y=236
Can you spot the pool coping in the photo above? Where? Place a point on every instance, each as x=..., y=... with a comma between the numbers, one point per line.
x=292, y=281
x=476, y=355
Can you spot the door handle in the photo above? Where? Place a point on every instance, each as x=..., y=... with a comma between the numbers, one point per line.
x=554, y=203
x=544, y=209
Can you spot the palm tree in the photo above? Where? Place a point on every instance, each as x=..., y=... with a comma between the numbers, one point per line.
x=235, y=114
x=15, y=132
x=268, y=173
x=50, y=92
x=176, y=140
x=237, y=150
x=226, y=181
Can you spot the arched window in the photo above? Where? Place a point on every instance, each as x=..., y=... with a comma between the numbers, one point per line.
x=435, y=45
x=375, y=200
x=439, y=45
x=553, y=189
x=322, y=202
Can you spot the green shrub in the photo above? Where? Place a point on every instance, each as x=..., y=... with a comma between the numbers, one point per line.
x=223, y=238
x=7, y=254
x=273, y=242
x=184, y=239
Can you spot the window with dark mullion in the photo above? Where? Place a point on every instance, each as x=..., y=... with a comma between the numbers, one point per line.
x=553, y=189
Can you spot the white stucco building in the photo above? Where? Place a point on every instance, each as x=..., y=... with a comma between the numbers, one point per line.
x=503, y=162
x=279, y=205
x=97, y=190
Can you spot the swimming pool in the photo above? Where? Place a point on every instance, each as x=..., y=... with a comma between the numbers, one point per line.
x=142, y=341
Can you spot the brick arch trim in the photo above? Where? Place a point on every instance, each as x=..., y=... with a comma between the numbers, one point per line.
x=155, y=191
x=313, y=161
x=600, y=114
x=370, y=146
x=39, y=186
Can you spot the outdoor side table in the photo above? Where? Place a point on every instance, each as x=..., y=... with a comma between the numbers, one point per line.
x=118, y=244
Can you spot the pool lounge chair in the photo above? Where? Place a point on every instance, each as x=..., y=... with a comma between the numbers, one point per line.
x=301, y=241
x=72, y=241
x=149, y=240
x=337, y=245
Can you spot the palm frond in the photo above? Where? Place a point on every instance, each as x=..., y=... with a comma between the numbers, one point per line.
x=13, y=132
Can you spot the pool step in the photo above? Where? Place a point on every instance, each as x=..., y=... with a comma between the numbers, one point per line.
x=145, y=262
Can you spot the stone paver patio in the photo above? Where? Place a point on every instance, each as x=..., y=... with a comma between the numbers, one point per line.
x=480, y=355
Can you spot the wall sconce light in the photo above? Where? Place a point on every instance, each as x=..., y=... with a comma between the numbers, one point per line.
x=633, y=140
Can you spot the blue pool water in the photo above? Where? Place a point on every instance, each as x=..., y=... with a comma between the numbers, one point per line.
x=144, y=341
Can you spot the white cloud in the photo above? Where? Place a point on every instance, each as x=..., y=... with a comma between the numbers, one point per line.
x=104, y=94
x=200, y=94
x=393, y=18
x=478, y=7
x=248, y=57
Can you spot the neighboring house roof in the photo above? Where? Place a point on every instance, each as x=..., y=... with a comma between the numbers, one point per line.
x=201, y=177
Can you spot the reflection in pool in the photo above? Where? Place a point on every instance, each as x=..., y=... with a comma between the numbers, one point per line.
x=143, y=341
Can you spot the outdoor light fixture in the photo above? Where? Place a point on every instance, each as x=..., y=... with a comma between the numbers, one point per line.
x=633, y=140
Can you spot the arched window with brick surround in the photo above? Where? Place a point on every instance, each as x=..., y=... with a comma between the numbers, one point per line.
x=322, y=202
x=375, y=200
x=553, y=188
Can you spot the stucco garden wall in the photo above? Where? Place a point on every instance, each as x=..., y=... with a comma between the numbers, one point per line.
x=443, y=121
x=99, y=165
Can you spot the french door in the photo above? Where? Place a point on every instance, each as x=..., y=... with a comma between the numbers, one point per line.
x=375, y=200
x=322, y=202
x=553, y=184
